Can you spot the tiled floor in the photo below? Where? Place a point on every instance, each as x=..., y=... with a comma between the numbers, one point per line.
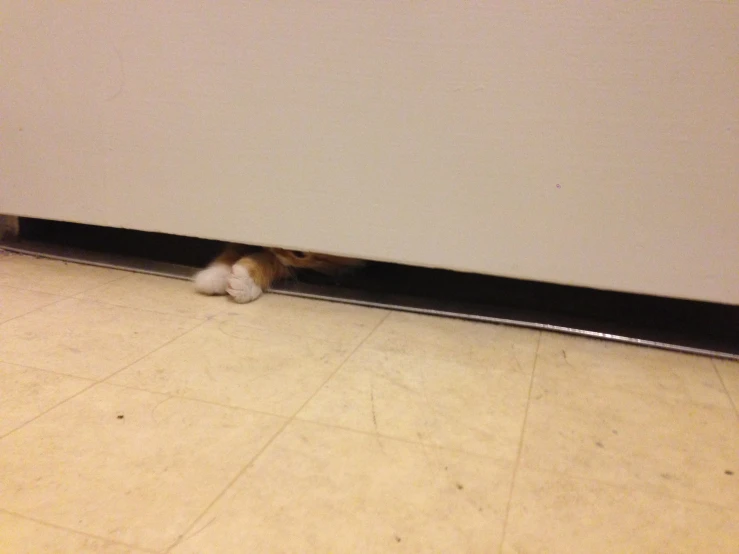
x=137, y=416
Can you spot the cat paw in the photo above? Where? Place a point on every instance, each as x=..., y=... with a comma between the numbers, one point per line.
x=213, y=279
x=241, y=286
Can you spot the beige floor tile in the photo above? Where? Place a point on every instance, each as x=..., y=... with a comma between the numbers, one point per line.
x=644, y=370
x=551, y=513
x=340, y=324
x=159, y=294
x=126, y=465
x=464, y=342
x=25, y=393
x=86, y=339
x=238, y=366
x=729, y=370
x=625, y=449
x=53, y=276
x=22, y=536
x=432, y=401
x=15, y=302
x=659, y=445
x=317, y=489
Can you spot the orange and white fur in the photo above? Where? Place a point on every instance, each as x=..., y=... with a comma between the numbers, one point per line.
x=246, y=277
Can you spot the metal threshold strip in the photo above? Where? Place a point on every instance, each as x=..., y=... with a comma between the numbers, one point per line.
x=429, y=306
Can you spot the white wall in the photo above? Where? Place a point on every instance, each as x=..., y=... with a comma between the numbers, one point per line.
x=588, y=143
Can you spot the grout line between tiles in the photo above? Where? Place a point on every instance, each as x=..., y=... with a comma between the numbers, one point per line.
x=81, y=296
x=199, y=400
x=201, y=319
x=63, y=295
x=157, y=349
x=91, y=382
x=94, y=382
x=187, y=532
x=340, y=365
x=61, y=299
x=520, y=447
x=654, y=396
x=499, y=461
x=76, y=531
x=276, y=332
x=32, y=290
x=50, y=371
x=726, y=389
x=126, y=273
x=37, y=416
x=641, y=488
x=319, y=424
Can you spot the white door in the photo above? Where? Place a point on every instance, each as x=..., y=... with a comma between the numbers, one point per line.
x=586, y=143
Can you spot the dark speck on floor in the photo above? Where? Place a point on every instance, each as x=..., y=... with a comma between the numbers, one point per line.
x=460, y=486
x=397, y=538
x=599, y=444
x=120, y=416
x=729, y=472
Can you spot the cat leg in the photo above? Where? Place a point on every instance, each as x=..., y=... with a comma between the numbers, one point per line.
x=214, y=278
x=253, y=274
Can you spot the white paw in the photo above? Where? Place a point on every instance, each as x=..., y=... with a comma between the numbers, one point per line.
x=213, y=279
x=241, y=286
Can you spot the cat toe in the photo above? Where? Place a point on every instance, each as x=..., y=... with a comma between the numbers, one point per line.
x=241, y=286
x=212, y=279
